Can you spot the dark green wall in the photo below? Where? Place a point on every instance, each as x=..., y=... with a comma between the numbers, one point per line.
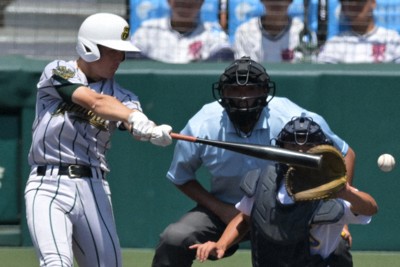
x=360, y=102
x=9, y=201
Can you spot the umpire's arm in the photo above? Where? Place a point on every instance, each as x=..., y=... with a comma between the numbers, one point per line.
x=349, y=160
x=194, y=190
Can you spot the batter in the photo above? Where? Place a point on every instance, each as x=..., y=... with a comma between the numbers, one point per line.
x=78, y=107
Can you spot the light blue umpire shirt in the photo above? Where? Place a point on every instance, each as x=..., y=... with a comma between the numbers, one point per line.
x=227, y=168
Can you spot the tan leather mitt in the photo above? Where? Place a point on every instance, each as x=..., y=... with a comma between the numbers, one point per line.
x=305, y=184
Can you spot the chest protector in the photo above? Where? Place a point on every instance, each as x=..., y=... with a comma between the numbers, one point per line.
x=280, y=233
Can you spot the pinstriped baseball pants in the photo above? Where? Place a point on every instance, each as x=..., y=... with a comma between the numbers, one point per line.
x=71, y=217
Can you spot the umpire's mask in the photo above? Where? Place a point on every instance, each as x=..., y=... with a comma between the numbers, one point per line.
x=243, y=90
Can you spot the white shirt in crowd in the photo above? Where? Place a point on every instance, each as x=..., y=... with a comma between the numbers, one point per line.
x=158, y=41
x=378, y=46
x=252, y=40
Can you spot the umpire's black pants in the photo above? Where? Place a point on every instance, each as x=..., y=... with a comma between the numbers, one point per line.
x=199, y=225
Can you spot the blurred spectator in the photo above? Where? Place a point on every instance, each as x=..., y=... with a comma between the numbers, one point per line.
x=272, y=37
x=182, y=37
x=3, y=5
x=223, y=14
x=364, y=42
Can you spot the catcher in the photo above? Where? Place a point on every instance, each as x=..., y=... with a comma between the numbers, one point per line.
x=301, y=231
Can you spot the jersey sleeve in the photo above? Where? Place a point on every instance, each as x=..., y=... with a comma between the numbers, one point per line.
x=188, y=156
x=245, y=205
x=66, y=91
x=59, y=73
x=351, y=218
x=60, y=78
x=185, y=163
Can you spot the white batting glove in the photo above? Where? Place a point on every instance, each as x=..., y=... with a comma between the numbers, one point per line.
x=161, y=135
x=141, y=126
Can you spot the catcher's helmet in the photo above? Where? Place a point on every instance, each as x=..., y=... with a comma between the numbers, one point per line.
x=103, y=29
x=302, y=131
x=245, y=111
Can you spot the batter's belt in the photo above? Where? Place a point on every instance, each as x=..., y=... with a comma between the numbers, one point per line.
x=73, y=171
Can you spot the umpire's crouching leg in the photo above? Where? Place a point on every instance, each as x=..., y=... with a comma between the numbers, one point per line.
x=197, y=226
x=173, y=249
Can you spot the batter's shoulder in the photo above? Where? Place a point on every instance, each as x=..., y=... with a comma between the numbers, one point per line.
x=62, y=63
x=61, y=68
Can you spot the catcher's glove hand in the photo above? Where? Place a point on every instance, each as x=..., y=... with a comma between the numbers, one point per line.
x=305, y=184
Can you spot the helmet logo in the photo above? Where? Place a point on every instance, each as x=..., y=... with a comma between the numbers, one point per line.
x=125, y=33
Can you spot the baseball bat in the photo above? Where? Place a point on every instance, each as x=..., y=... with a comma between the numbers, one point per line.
x=264, y=152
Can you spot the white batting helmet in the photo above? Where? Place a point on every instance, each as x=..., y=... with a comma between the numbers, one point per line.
x=103, y=29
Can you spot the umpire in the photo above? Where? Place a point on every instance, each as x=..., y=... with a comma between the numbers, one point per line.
x=245, y=111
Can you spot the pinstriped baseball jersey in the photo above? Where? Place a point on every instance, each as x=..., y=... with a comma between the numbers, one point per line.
x=65, y=132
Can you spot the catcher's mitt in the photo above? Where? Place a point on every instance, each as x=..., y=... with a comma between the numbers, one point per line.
x=304, y=183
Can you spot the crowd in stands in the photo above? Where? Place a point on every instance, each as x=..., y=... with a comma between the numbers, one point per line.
x=266, y=30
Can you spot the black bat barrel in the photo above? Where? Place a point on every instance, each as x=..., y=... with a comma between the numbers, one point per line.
x=268, y=153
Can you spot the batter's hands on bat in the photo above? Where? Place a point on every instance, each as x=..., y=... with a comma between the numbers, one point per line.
x=141, y=126
x=208, y=249
x=160, y=135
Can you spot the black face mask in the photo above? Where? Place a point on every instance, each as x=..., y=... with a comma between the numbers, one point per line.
x=244, y=117
x=302, y=131
x=244, y=72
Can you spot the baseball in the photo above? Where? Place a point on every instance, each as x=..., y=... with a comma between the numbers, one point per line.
x=386, y=162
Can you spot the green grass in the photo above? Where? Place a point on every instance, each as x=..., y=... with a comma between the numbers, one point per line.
x=25, y=257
